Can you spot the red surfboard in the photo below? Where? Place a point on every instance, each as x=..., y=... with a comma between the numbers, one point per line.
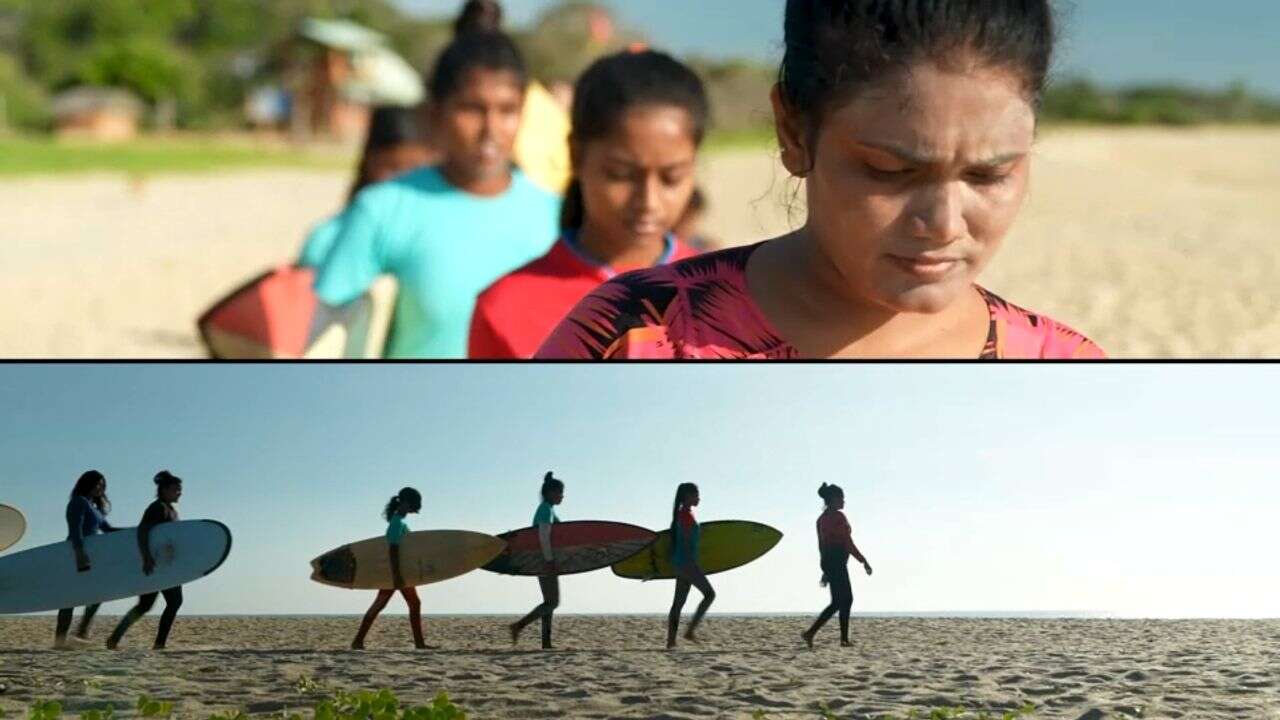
x=274, y=316
x=578, y=547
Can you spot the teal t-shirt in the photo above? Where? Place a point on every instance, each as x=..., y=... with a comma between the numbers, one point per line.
x=396, y=529
x=319, y=242
x=443, y=245
x=546, y=515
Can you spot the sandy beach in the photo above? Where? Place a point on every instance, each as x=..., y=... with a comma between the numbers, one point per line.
x=614, y=667
x=1156, y=243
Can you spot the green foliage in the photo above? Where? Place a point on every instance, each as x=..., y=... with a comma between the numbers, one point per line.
x=150, y=708
x=151, y=68
x=50, y=710
x=23, y=103
x=205, y=55
x=942, y=713
x=108, y=714
x=559, y=45
x=1082, y=101
x=365, y=705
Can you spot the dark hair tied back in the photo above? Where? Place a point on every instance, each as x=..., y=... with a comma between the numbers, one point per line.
x=164, y=479
x=835, y=48
x=550, y=484
x=829, y=493
x=480, y=50
x=617, y=83
x=479, y=16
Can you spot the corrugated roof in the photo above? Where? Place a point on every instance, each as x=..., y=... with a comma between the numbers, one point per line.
x=86, y=99
x=341, y=34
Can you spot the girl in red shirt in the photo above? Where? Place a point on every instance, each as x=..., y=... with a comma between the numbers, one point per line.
x=638, y=121
x=835, y=545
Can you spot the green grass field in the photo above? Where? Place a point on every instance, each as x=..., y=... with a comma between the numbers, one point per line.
x=28, y=155
x=43, y=156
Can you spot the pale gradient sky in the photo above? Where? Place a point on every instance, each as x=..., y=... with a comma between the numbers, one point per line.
x=1114, y=41
x=1135, y=490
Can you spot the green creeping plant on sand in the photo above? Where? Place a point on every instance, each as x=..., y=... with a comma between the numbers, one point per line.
x=364, y=705
x=943, y=713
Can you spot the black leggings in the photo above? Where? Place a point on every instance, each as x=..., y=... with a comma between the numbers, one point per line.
x=172, y=601
x=64, y=621
x=689, y=576
x=550, y=585
x=841, y=601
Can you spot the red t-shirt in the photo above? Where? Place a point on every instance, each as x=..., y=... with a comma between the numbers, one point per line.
x=516, y=314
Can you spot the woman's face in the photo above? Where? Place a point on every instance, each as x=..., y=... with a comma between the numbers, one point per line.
x=555, y=497
x=915, y=182
x=99, y=490
x=636, y=183
x=694, y=498
x=413, y=507
x=389, y=162
x=171, y=493
x=476, y=126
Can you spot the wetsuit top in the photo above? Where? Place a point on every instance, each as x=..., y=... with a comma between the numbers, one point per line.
x=543, y=519
x=835, y=539
x=84, y=519
x=700, y=309
x=396, y=529
x=685, y=530
x=517, y=313
x=158, y=512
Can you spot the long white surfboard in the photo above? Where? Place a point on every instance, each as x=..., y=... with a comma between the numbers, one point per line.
x=46, y=578
x=12, y=526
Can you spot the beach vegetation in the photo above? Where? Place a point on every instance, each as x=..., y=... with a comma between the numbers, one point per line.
x=1026, y=710
x=341, y=705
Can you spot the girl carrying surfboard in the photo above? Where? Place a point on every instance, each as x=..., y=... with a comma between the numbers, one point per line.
x=407, y=502
x=911, y=126
x=638, y=121
x=684, y=555
x=549, y=582
x=395, y=144
x=168, y=492
x=835, y=545
x=447, y=232
x=86, y=516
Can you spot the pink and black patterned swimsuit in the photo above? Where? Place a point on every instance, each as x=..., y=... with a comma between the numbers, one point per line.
x=700, y=309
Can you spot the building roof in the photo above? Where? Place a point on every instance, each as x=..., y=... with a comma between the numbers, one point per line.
x=341, y=34
x=89, y=99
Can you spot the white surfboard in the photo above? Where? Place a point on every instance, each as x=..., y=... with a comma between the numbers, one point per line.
x=46, y=578
x=12, y=526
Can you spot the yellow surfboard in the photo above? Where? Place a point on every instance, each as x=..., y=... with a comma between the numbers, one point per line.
x=722, y=545
x=427, y=556
x=542, y=145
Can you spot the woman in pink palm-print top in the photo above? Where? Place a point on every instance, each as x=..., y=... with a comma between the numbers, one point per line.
x=912, y=131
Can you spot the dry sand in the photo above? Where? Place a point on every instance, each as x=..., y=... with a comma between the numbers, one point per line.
x=614, y=667
x=1157, y=243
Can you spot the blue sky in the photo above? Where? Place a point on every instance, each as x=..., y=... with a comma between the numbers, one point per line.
x=1114, y=41
x=1136, y=490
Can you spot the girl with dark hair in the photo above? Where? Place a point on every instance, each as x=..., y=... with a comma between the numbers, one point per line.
x=168, y=492
x=407, y=502
x=684, y=555
x=86, y=516
x=638, y=121
x=447, y=232
x=394, y=146
x=835, y=545
x=911, y=124
x=552, y=494
x=541, y=147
